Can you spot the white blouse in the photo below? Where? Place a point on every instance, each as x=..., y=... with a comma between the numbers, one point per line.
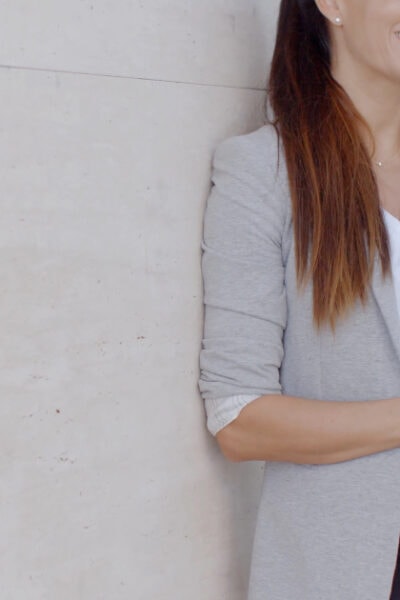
x=221, y=411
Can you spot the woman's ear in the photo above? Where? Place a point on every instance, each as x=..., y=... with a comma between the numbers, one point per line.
x=331, y=10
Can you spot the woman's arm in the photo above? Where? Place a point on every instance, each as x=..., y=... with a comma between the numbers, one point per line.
x=287, y=428
x=245, y=317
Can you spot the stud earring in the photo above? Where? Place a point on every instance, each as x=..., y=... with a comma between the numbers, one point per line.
x=338, y=20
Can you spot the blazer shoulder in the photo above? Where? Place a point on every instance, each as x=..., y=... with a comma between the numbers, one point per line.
x=255, y=163
x=255, y=150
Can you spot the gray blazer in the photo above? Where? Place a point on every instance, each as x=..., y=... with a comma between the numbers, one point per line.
x=323, y=532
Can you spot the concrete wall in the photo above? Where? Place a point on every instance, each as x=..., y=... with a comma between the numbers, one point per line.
x=111, y=488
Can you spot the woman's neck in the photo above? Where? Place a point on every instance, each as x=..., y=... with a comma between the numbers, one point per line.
x=378, y=101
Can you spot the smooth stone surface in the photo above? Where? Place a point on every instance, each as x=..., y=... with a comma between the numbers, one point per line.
x=216, y=42
x=110, y=486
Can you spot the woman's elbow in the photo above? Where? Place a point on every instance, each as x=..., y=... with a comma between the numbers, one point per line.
x=228, y=439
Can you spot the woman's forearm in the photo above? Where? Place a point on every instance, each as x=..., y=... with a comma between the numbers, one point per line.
x=301, y=430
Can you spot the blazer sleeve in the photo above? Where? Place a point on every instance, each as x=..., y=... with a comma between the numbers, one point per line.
x=244, y=294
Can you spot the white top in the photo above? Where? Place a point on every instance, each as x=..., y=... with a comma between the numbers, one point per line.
x=221, y=411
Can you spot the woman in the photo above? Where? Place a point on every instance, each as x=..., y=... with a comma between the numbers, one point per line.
x=300, y=359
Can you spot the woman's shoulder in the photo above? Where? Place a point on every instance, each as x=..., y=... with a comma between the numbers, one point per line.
x=253, y=147
x=254, y=161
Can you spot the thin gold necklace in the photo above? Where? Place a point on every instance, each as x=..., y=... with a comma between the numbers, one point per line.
x=381, y=163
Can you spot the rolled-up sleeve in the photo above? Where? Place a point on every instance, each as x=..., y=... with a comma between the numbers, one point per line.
x=244, y=297
x=222, y=411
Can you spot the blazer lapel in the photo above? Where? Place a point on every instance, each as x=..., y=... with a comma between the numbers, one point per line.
x=384, y=293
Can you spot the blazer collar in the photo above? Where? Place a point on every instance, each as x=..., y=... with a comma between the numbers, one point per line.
x=384, y=293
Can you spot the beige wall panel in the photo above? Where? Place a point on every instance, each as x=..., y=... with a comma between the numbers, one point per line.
x=111, y=488
x=220, y=42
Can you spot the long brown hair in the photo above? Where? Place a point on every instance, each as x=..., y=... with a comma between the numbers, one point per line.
x=337, y=223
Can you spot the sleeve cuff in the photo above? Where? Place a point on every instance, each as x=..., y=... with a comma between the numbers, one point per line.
x=222, y=411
